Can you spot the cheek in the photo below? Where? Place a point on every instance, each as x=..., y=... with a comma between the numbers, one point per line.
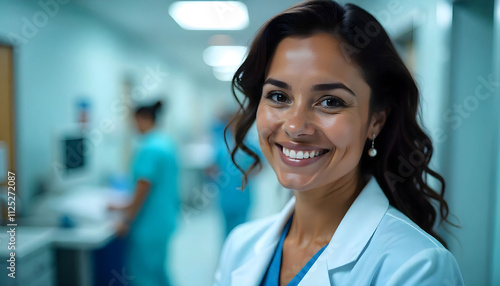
x=343, y=131
x=267, y=121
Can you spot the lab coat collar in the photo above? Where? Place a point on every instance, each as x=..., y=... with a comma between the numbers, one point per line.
x=346, y=245
x=252, y=272
x=352, y=234
x=357, y=226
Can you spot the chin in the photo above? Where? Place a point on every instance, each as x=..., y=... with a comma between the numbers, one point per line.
x=295, y=182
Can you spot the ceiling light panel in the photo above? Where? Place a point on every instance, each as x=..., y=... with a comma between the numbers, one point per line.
x=210, y=15
x=217, y=56
x=224, y=60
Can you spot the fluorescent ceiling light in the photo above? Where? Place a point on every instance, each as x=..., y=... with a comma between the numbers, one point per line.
x=224, y=60
x=210, y=15
x=224, y=73
x=218, y=56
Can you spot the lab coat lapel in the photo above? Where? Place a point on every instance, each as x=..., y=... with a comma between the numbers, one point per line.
x=357, y=226
x=317, y=274
x=351, y=236
x=346, y=245
x=252, y=272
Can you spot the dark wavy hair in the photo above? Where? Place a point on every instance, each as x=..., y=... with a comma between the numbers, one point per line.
x=149, y=111
x=402, y=166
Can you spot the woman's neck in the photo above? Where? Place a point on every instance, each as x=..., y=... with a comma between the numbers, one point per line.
x=319, y=212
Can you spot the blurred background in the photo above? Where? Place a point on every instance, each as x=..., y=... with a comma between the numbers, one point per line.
x=72, y=72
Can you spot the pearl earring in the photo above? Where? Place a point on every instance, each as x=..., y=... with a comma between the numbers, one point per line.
x=372, y=152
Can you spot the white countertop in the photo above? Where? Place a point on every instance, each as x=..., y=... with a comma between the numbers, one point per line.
x=28, y=239
x=94, y=225
x=86, y=237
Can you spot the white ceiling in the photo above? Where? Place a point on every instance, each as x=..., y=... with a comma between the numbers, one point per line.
x=150, y=22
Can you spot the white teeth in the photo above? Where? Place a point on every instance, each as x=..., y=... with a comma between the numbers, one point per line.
x=300, y=154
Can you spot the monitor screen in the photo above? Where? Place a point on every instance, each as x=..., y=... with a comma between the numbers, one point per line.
x=74, y=154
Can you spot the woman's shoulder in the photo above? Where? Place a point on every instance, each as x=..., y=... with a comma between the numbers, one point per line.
x=399, y=231
x=248, y=233
x=405, y=252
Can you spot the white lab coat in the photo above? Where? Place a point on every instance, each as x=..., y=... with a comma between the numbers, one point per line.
x=375, y=244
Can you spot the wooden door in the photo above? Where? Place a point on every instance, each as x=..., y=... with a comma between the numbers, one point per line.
x=7, y=112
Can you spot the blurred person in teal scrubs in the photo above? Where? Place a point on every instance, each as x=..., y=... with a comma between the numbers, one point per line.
x=150, y=218
x=234, y=202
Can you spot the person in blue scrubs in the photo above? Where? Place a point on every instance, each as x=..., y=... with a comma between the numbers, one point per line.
x=151, y=217
x=235, y=203
x=336, y=114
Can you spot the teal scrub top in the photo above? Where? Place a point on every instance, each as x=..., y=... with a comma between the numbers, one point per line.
x=272, y=276
x=155, y=160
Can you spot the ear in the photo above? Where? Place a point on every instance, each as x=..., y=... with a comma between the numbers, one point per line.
x=377, y=122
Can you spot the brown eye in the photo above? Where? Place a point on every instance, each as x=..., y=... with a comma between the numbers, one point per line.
x=277, y=97
x=332, y=102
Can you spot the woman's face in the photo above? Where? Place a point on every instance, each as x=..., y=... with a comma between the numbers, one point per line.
x=312, y=118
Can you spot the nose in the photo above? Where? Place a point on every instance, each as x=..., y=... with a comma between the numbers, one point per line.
x=298, y=122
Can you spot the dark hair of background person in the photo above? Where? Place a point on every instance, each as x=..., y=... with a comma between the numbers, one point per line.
x=404, y=150
x=149, y=111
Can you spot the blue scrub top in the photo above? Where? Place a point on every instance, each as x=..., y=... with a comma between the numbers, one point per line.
x=272, y=276
x=155, y=160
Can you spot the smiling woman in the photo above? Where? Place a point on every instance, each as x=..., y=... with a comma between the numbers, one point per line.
x=336, y=113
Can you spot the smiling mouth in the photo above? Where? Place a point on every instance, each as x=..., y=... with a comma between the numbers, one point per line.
x=301, y=154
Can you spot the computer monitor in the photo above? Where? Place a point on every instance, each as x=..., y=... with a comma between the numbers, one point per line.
x=70, y=166
x=74, y=154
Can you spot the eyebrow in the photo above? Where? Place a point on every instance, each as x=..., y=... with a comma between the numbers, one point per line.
x=317, y=87
x=331, y=86
x=278, y=83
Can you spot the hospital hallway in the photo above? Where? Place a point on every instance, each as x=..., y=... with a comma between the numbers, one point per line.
x=112, y=119
x=193, y=255
x=196, y=245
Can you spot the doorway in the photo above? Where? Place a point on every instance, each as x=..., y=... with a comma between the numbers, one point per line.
x=7, y=134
